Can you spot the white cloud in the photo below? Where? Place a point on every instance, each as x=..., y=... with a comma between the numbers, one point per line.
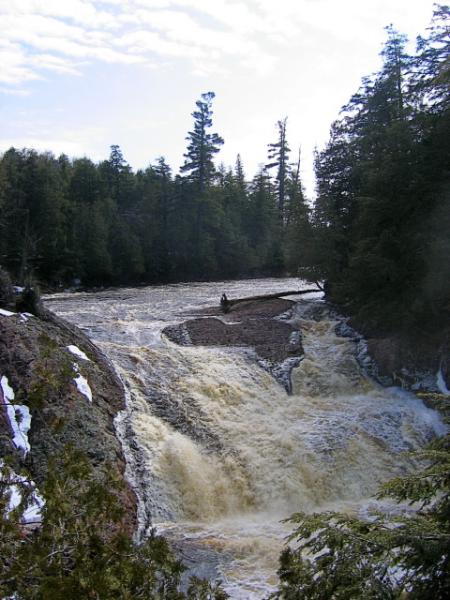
x=144, y=41
x=181, y=28
x=54, y=63
x=130, y=32
x=79, y=11
x=15, y=68
x=207, y=33
x=265, y=60
x=14, y=91
x=56, y=146
x=47, y=137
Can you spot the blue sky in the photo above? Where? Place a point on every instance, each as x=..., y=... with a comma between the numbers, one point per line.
x=79, y=75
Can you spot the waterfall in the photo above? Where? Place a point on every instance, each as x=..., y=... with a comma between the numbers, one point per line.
x=221, y=453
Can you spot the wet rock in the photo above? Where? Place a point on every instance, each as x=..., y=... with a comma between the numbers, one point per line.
x=409, y=360
x=410, y=364
x=40, y=369
x=250, y=325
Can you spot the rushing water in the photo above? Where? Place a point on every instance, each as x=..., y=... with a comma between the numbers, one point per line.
x=218, y=452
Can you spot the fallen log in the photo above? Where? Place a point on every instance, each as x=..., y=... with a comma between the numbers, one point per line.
x=227, y=304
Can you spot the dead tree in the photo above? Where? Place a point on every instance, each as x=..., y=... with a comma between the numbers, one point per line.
x=227, y=304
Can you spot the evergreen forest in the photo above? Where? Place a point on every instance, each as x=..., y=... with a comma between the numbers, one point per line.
x=378, y=232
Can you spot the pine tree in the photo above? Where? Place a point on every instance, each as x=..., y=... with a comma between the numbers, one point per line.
x=298, y=238
x=263, y=226
x=119, y=179
x=279, y=157
x=202, y=145
x=240, y=175
x=431, y=65
x=396, y=61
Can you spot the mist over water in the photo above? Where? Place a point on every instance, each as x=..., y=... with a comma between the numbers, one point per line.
x=218, y=452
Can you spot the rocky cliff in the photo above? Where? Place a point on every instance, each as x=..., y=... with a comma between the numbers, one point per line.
x=53, y=376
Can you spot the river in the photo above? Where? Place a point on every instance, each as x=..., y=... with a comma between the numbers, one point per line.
x=217, y=450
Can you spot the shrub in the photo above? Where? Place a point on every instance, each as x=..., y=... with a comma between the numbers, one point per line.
x=340, y=557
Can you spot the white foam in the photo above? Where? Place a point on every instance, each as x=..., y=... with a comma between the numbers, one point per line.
x=253, y=448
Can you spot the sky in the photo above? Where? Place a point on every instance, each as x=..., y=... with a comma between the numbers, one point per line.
x=77, y=76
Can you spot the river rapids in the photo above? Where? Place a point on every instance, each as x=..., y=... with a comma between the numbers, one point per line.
x=217, y=451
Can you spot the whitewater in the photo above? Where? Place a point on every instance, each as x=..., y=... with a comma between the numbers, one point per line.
x=218, y=452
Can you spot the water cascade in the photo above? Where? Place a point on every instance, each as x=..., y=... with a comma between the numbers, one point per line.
x=218, y=451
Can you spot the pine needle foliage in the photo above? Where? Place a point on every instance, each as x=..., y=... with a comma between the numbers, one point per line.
x=336, y=556
x=82, y=548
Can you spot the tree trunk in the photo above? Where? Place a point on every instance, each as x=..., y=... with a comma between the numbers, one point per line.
x=227, y=304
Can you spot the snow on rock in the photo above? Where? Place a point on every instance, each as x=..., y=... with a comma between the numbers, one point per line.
x=83, y=387
x=19, y=417
x=82, y=384
x=8, y=392
x=75, y=350
x=23, y=316
x=32, y=513
x=440, y=382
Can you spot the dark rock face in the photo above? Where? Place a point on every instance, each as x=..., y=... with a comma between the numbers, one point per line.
x=389, y=354
x=40, y=369
x=411, y=362
x=249, y=325
x=445, y=363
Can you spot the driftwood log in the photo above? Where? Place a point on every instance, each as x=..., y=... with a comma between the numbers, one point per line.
x=227, y=304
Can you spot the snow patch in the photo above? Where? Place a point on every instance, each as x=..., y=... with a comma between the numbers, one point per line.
x=75, y=350
x=8, y=392
x=82, y=384
x=19, y=417
x=440, y=382
x=23, y=316
x=83, y=387
x=33, y=512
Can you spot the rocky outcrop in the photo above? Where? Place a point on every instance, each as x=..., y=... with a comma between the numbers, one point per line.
x=71, y=390
x=411, y=362
x=253, y=325
x=415, y=360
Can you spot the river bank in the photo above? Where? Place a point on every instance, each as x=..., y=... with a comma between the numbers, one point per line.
x=70, y=391
x=415, y=361
x=217, y=451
